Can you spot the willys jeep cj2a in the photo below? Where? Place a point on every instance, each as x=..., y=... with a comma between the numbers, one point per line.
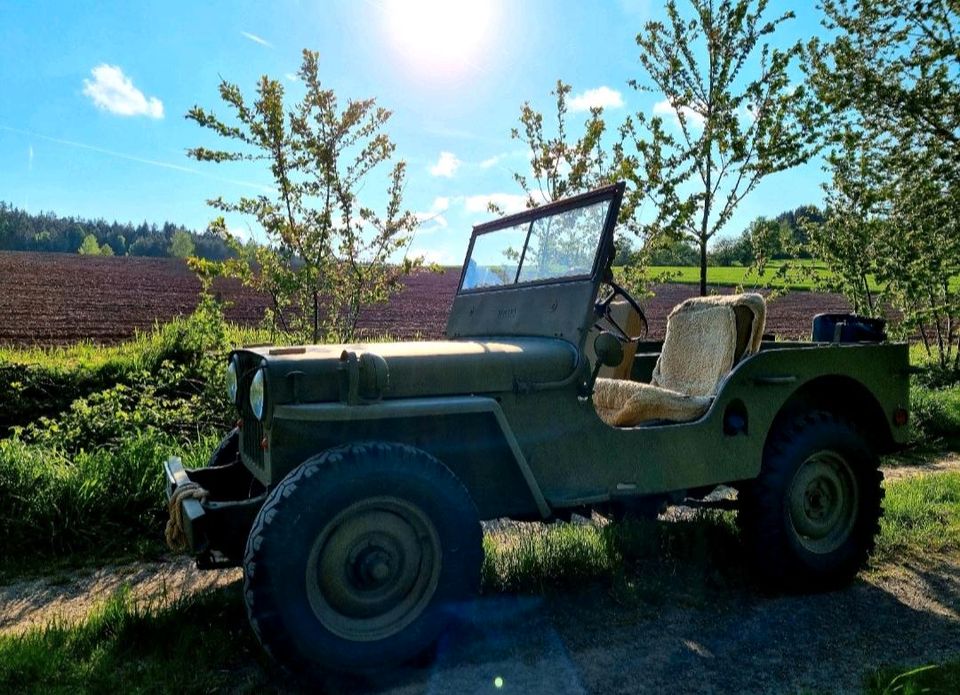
x=353, y=488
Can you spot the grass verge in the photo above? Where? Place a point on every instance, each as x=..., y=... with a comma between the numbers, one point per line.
x=921, y=517
x=641, y=561
x=197, y=644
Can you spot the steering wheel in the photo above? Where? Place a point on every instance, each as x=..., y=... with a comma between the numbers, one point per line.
x=602, y=309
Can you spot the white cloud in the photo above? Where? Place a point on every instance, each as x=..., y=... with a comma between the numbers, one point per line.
x=438, y=256
x=665, y=108
x=601, y=97
x=291, y=76
x=446, y=165
x=113, y=91
x=434, y=214
x=256, y=39
x=30, y=158
x=508, y=202
x=492, y=161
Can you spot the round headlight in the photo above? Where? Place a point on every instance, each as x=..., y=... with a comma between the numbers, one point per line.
x=232, y=381
x=257, y=394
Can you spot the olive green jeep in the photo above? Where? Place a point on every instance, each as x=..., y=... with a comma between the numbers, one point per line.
x=353, y=487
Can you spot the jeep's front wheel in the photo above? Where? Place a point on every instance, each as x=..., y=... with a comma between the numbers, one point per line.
x=809, y=520
x=360, y=557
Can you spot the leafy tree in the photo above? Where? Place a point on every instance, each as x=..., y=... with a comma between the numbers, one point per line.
x=90, y=247
x=731, y=251
x=890, y=79
x=329, y=252
x=852, y=238
x=671, y=252
x=734, y=128
x=561, y=167
x=181, y=244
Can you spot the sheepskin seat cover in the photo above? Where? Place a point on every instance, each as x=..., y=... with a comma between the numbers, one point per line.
x=705, y=337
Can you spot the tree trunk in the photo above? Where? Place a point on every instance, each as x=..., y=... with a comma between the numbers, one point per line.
x=316, y=318
x=703, y=267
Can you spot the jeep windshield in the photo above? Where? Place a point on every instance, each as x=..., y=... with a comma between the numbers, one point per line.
x=527, y=248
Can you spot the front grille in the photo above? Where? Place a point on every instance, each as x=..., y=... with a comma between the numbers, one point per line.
x=251, y=431
x=251, y=436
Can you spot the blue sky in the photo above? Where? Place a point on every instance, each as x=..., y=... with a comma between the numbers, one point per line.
x=94, y=94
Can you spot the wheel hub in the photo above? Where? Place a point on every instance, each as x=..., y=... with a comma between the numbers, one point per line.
x=373, y=568
x=823, y=502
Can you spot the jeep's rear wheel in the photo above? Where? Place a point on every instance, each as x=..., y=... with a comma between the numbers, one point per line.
x=809, y=520
x=360, y=558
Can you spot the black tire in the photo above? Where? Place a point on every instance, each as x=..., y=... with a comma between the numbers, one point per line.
x=635, y=509
x=228, y=451
x=810, y=519
x=359, y=559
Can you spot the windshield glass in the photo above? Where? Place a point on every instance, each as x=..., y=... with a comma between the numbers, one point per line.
x=558, y=246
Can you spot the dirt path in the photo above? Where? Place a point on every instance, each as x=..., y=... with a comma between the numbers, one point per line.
x=908, y=467
x=70, y=596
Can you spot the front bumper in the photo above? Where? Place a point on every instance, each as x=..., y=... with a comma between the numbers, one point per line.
x=216, y=527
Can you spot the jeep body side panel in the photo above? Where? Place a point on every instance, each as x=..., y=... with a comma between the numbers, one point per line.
x=578, y=459
x=468, y=434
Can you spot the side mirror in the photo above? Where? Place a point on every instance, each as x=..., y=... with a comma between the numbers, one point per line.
x=608, y=349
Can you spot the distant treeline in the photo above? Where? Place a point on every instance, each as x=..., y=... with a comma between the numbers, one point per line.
x=24, y=231
x=782, y=237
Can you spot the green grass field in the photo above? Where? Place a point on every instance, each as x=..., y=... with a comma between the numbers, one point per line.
x=800, y=276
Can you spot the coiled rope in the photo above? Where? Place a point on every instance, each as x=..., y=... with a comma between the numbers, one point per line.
x=175, y=534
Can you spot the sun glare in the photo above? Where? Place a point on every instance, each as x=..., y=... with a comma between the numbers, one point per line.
x=441, y=36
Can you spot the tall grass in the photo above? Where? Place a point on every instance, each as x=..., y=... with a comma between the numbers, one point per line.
x=106, y=500
x=931, y=678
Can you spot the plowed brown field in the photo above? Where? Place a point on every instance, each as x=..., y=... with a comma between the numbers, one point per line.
x=54, y=299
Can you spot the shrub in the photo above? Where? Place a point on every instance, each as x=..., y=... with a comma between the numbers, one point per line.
x=935, y=414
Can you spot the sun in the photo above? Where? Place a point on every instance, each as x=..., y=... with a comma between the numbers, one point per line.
x=441, y=36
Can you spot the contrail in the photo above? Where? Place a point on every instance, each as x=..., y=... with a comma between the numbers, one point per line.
x=132, y=158
x=256, y=39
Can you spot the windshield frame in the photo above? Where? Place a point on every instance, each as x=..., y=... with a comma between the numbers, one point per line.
x=528, y=217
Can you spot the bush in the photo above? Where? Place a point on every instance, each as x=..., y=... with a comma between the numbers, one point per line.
x=935, y=414
x=80, y=470
x=182, y=357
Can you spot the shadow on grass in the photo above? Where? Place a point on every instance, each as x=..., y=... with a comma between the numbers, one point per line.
x=639, y=561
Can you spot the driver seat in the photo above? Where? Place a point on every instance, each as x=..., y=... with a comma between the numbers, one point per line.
x=706, y=337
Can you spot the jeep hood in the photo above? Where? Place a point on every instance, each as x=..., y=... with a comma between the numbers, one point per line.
x=316, y=373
